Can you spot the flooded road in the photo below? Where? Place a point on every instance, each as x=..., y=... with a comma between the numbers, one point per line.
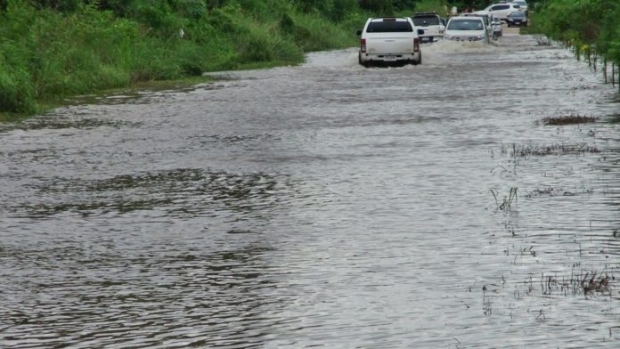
x=325, y=205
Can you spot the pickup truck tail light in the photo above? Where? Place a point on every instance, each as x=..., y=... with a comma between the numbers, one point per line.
x=416, y=45
x=363, y=45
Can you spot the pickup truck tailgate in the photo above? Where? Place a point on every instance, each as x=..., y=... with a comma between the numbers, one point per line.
x=431, y=30
x=389, y=44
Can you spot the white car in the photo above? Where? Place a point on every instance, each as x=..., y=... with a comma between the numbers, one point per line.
x=389, y=40
x=522, y=5
x=499, y=10
x=485, y=18
x=466, y=28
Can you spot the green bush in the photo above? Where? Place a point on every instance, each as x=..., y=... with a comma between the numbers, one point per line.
x=50, y=49
x=584, y=24
x=380, y=7
x=193, y=9
x=17, y=94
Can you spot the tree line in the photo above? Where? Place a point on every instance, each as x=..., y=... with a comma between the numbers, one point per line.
x=589, y=24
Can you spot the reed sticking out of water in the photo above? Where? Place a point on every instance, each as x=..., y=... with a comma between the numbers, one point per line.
x=551, y=191
x=507, y=201
x=527, y=150
x=568, y=120
x=587, y=284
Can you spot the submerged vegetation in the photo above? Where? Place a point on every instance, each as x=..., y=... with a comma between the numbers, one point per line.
x=532, y=149
x=557, y=191
x=506, y=204
x=568, y=120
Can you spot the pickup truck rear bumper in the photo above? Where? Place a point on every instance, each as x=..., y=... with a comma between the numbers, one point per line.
x=395, y=58
x=430, y=38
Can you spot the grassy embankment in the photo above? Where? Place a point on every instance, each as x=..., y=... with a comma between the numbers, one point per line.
x=589, y=27
x=47, y=55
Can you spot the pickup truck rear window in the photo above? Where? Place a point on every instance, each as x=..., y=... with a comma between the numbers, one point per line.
x=425, y=21
x=389, y=27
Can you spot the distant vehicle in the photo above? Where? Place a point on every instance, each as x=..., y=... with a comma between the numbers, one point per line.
x=389, y=40
x=466, y=28
x=517, y=19
x=431, y=23
x=497, y=28
x=499, y=10
x=522, y=5
x=485, y=17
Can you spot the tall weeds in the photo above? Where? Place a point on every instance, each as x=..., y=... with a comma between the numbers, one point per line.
x=589, y=27
x=47, y=54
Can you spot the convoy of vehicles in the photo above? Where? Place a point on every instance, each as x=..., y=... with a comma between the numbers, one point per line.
x=397, y=40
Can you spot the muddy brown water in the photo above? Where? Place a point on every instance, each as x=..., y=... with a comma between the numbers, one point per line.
x=324, y=205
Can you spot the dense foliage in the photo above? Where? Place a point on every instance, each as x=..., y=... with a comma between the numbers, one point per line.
x=582, y=24
x=50, y=49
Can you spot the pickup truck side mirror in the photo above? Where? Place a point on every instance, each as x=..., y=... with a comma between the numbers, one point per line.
x=420, y=31
x=358, y=32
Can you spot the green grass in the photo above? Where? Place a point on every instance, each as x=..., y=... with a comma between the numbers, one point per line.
x=47, y=56
x=533, y=26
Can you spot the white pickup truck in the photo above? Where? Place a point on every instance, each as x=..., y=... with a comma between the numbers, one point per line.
x=389, y=41
x=433, y=25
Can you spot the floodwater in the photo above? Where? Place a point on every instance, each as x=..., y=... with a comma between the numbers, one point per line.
x=325, y=205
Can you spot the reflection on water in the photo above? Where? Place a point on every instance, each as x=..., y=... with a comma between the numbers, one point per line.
x=188, y=191
x=322, y=205
x=85, y=298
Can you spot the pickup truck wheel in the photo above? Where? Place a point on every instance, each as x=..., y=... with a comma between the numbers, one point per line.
x=419, y=61
x=359, y=60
